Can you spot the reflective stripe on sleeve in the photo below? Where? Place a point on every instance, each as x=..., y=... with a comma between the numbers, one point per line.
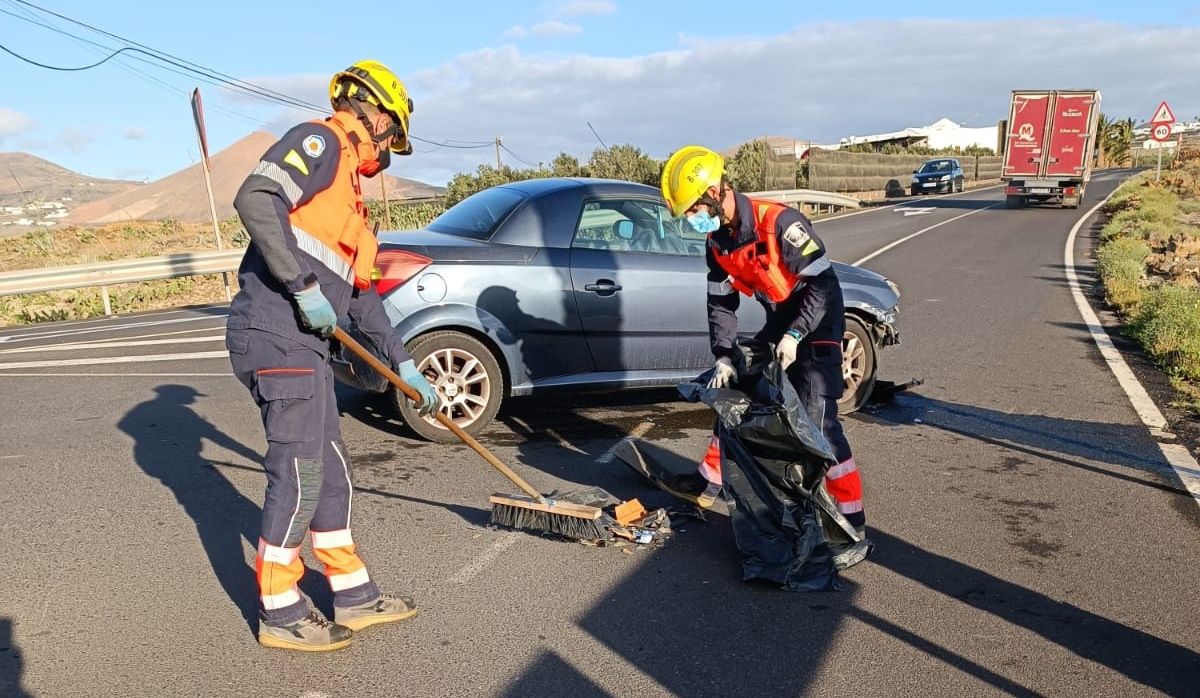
x=308, y=243
x=818, y=265
x=276, y=174
x=720, y=288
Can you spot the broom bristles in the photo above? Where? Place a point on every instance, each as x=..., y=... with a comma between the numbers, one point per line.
x=563, y=525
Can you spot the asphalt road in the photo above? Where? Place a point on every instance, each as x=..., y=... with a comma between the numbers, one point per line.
x=1031, y=537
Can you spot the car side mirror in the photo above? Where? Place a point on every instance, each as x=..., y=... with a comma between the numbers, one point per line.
x=623, y=229
x=914, y=171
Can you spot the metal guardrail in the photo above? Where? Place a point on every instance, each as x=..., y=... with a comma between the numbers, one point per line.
x=809, y=196
x=122, y=272
x=104, y=274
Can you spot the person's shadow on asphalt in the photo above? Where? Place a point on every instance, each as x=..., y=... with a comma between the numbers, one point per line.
x=168, y=438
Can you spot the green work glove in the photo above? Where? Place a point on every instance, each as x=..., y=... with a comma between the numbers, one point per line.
x=315, y=311
x=417, y=381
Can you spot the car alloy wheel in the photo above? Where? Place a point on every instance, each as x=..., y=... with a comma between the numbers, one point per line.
x=467, y=378
x=461, y=382
x=858, y=367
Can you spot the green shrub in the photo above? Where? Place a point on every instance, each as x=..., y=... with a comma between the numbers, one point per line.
x=1168, y=325
x=1122, y=264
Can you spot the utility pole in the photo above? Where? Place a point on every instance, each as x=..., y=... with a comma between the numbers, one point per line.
x=202, y=138
x=497, y=152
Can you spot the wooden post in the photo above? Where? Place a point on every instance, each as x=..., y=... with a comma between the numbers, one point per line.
x=387, y=208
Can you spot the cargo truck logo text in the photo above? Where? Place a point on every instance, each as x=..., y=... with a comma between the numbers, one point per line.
x=1025, y=132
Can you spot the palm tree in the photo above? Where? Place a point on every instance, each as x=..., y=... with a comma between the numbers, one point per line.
x=1114, y=136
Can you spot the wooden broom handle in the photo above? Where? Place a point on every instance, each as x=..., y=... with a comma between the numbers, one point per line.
x=411, y=393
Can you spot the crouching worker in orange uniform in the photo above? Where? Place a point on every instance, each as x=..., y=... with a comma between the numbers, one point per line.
x=309, y=262
x=769, y=251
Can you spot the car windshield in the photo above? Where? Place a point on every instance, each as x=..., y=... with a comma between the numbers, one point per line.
x=938, y=166
x=477, y=216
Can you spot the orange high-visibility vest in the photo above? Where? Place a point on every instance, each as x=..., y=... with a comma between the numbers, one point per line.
x=759, y=265
x=332, y=226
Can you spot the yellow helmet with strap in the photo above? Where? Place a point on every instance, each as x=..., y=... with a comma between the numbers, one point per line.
x=375, y=83
x=688, y=174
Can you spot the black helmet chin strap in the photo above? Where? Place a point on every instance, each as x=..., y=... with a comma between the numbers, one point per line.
x=379, y=138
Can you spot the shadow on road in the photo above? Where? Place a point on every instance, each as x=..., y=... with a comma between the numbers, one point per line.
x=168, y=439
x=12, y=665
x=686, y=621
x=1065, y=441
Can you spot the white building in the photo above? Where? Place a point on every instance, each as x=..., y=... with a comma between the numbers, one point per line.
x=942, y=133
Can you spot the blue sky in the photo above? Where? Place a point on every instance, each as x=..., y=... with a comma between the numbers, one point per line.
x=650, y=72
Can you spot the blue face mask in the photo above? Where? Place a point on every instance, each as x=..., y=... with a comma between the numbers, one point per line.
x=703, y=223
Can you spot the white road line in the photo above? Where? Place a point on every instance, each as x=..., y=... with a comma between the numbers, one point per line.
x=150, y=358
x=1177, y=456
x=903, y=202
x=8, y=339
x=922, y=231
x=112, y=344
x=638, y=432
x=474, y=567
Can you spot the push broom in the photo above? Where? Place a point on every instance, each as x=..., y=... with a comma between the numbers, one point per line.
x=533, y=511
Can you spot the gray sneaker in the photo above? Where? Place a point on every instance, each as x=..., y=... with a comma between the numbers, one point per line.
x=385, y=609
x=310, y=634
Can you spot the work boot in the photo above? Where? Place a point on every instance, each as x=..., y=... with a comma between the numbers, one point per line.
x=312, y=633
x=385, y=609
x=850, y=554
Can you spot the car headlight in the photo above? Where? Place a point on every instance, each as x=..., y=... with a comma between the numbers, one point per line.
x=944, y=177
x=916, y=179
x=895, y=289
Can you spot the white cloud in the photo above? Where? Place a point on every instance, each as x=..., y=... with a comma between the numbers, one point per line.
x=134, y=133
x=515, y=32
x=819, y=83
x=554, y=28
x=75, y=139
x=580, y=8
x=14, y=123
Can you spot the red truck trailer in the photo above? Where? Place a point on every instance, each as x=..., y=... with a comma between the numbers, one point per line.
x=1049, y=144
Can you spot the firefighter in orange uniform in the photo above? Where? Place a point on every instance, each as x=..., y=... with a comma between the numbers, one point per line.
x=309, y=262
x=768, y=250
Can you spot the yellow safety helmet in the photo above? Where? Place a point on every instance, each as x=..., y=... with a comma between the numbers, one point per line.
x=689, y=172
x=375, y=83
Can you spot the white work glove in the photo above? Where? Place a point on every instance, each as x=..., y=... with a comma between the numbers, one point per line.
x=723, y=373
x=785, y=350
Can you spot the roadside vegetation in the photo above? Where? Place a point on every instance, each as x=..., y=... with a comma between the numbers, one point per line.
x=1149, y=262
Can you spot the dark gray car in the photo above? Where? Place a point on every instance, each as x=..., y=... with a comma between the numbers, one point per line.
x=572, y=284
x=938, y=175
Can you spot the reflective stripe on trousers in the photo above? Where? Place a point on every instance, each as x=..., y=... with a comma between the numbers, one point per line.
x=309, y=478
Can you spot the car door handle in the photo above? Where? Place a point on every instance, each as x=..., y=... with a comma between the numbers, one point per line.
x=603, y=287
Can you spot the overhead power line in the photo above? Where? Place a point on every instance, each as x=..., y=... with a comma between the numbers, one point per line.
x=185, y=64
x=102, y=61
x=181, y=66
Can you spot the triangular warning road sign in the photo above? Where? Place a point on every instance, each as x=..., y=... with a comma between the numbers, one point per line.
x=1163, y=115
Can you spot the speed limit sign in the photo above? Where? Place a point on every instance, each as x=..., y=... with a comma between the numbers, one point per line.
x=1161, y=132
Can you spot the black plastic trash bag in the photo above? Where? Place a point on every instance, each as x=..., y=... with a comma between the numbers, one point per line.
x=773, y=464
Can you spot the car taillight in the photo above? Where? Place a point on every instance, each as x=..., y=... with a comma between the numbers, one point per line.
x=1012, y=190
x=1069, y=191
x=396, y=267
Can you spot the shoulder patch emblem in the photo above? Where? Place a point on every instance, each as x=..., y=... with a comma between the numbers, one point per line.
x=796, y=235
x=313, y=146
